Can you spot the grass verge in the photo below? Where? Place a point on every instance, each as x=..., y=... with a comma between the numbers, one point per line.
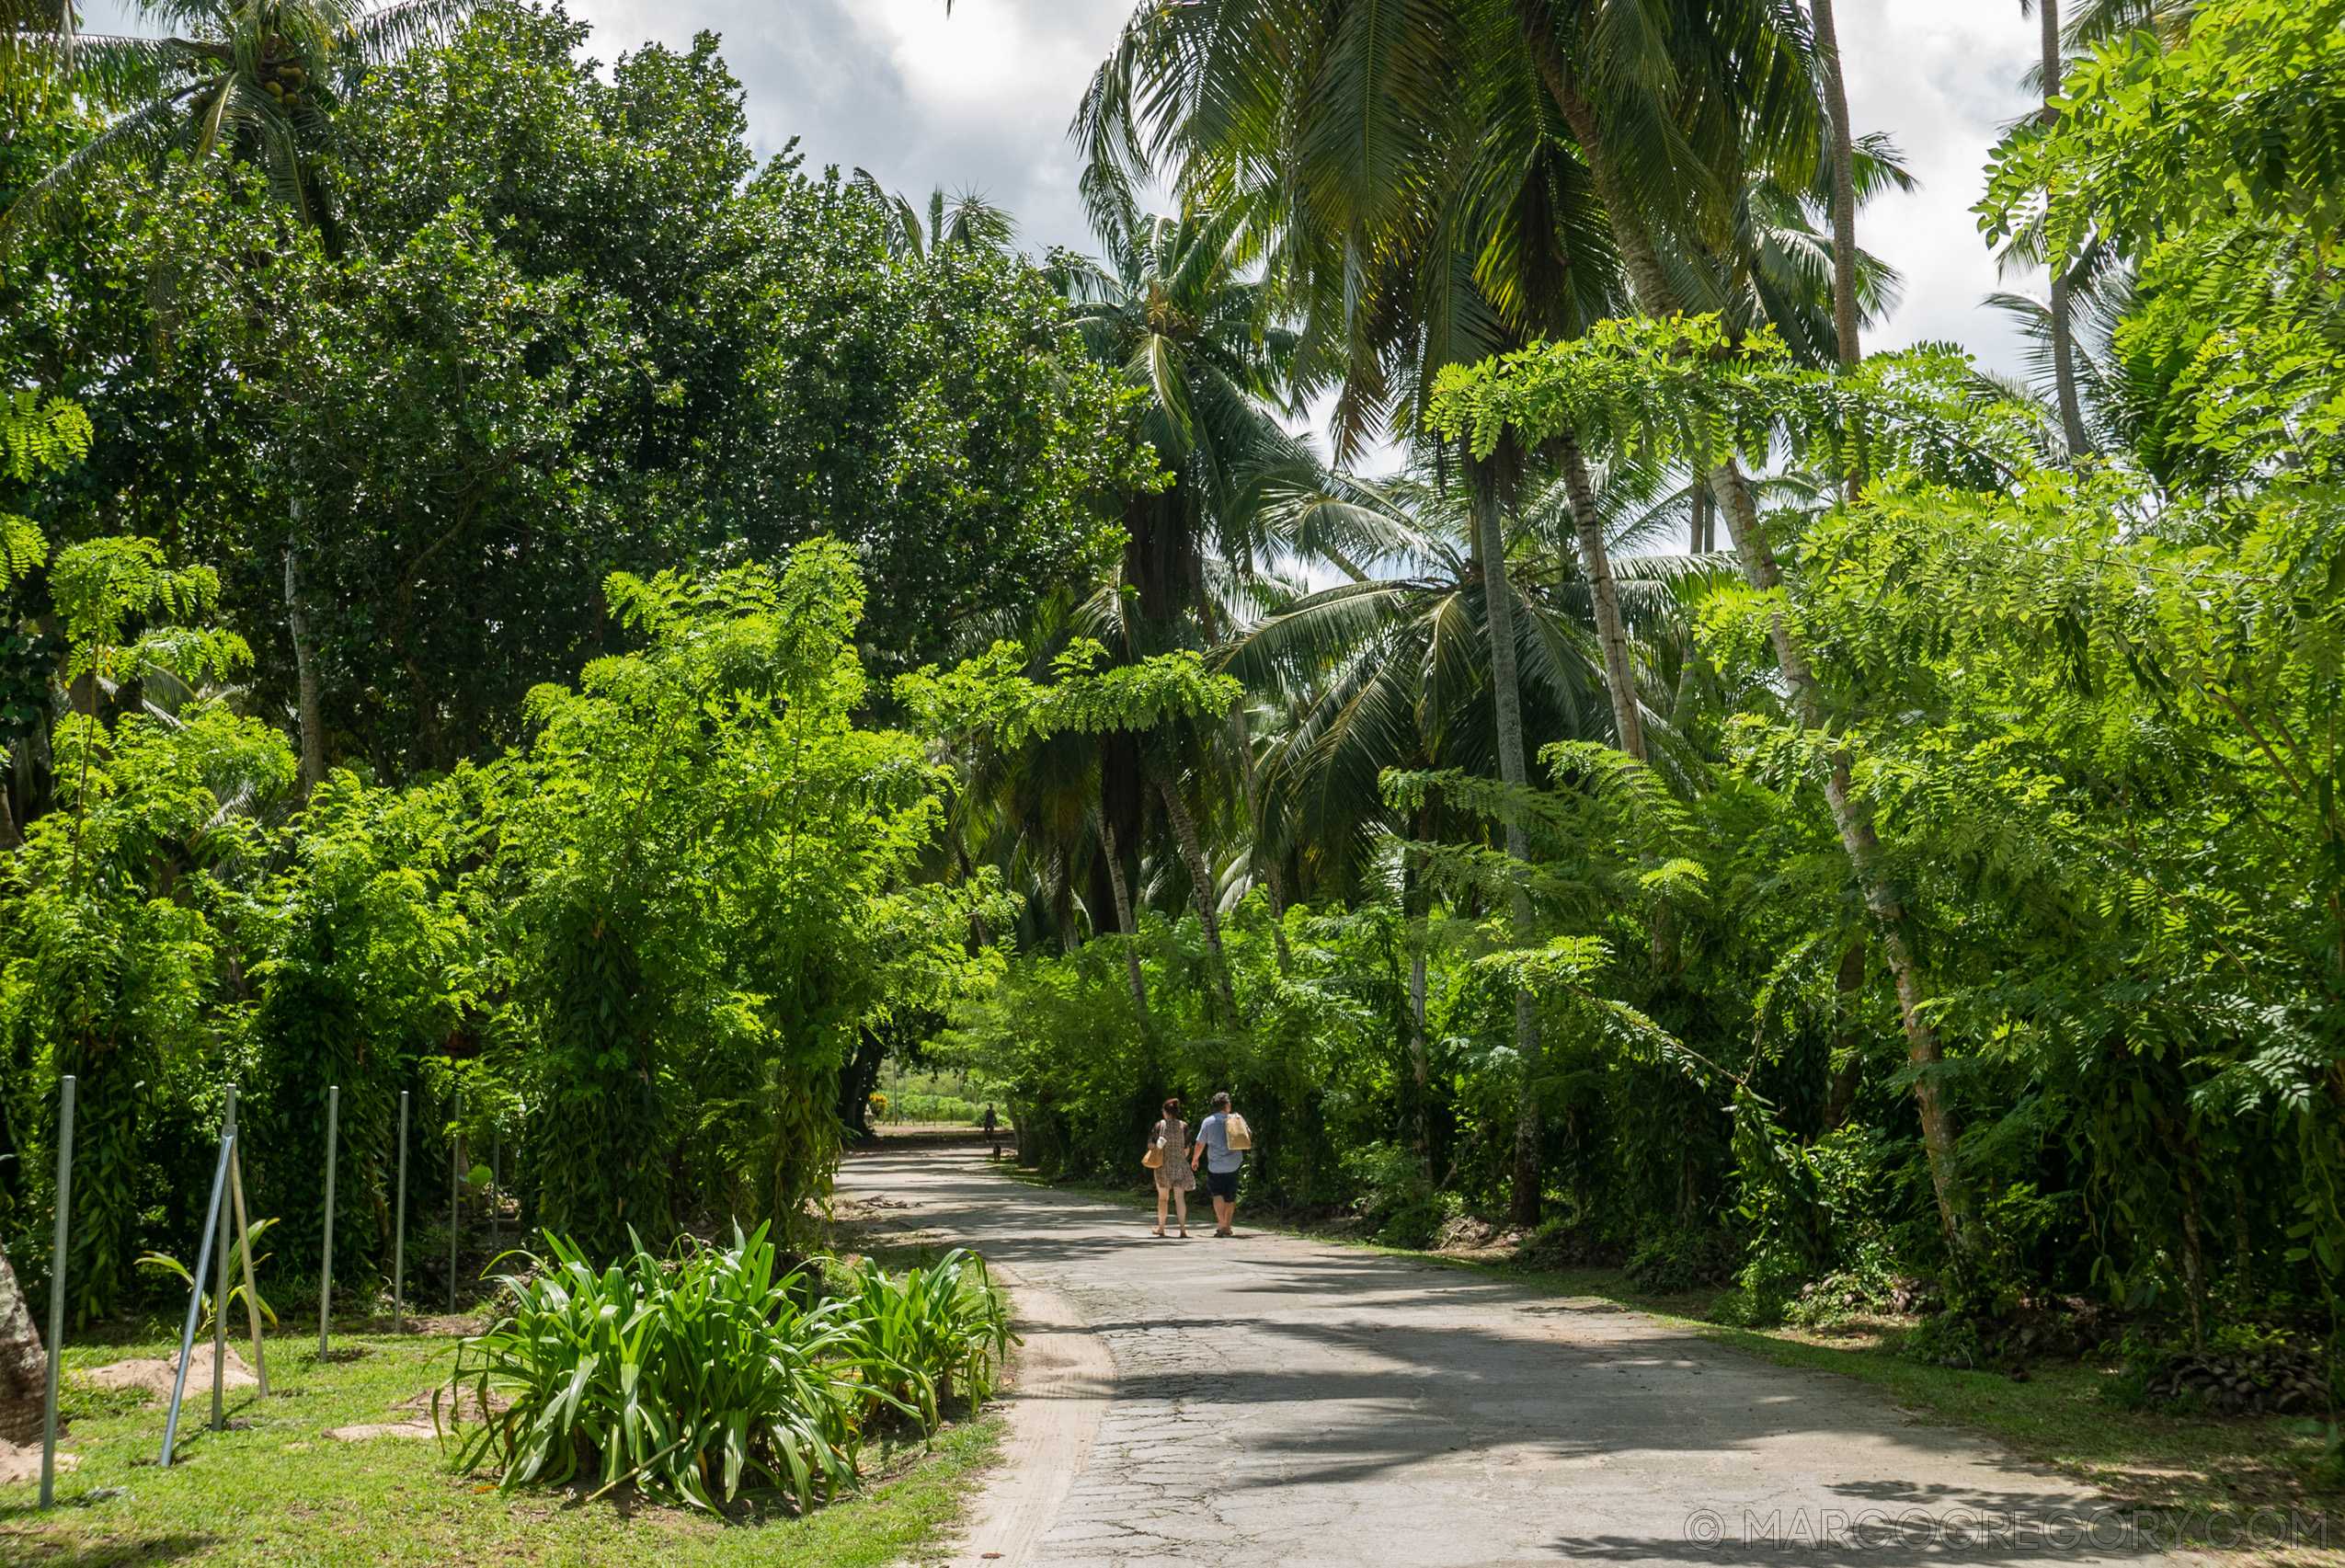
x=275, y=1490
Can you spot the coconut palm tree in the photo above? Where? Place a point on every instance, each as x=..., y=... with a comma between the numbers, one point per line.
x=259, y=80
x=964, y=225
x=1394, y=671
x=1169, y=308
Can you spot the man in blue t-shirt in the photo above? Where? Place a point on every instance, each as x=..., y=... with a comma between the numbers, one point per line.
x=1223, y=1165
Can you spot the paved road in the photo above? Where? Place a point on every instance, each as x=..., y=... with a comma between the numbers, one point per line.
x=1278, y=1402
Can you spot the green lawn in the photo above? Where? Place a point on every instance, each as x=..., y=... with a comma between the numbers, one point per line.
x=275, y=1491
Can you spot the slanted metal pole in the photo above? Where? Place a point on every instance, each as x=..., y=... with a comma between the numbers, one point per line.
x=399, y=1232
x=496, y=1202
x=252, y=1291
x=220, y=1296
x=57, y=1289
x=455, y=1163
x=326, y=1266
x=195, y=1296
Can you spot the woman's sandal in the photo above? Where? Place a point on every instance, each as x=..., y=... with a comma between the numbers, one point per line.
x=1184, y=1233
x=1157, y=1234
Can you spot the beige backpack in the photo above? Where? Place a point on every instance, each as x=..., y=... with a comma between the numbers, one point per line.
x=1241, y=1135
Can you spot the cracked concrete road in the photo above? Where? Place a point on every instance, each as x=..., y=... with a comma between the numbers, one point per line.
x=1278, y=1402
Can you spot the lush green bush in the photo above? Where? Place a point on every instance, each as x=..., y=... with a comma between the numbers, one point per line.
x=915, y=1333
x=689, y=1378
x=1398, y=1197
x=910, y=1107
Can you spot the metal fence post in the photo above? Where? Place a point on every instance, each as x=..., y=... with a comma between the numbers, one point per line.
x=399, y=1232
x=220, y=1296
x=496, y=1202
x=455, y=1163
x=57, y=1289
x=195, y=1297
x=326, y=1266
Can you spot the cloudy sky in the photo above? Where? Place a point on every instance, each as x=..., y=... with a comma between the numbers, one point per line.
x=982, y=100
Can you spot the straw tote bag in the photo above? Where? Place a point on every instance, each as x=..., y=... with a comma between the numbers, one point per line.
x=1154, y=1158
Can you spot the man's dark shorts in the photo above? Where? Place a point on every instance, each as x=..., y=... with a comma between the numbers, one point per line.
x=1223, y=1184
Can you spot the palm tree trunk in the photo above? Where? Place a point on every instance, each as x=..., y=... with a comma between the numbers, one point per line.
x=1489, y=541
x=1201, y=883
x=1062, y=896
x=1124, y=919
x=305, y=671
x=1619, y=675
x=1862, y=846
x=1642, y=263
x=1412, y=902
x=1841, y=1097
x=24, y=1370
x=1638, y=256
x=1844, y=185
x=1274, y=881
x=2064, y=351
x=2063, y=368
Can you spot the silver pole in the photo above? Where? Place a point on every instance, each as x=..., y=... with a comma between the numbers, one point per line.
x=252, y=1291
x=326, y=1267
x=455, y=1162
x=399, y=1234
x=57, y=1289
x=195, y=1297
x=496, y=1202
x=220, y=1301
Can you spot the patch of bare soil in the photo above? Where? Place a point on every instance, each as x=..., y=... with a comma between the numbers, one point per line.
x=449, y=1325
x=23, y=1463
x=156, y=1377
x=427, y=1415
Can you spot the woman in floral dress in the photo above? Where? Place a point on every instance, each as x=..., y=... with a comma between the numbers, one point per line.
x=1173, y=1178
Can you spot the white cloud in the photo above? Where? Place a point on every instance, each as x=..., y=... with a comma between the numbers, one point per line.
x=1941, y=79
x=979, y=99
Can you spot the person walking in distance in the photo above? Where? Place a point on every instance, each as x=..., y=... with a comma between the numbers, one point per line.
x=993, y=1132
x=1174, y=1180
x=1222, y=1142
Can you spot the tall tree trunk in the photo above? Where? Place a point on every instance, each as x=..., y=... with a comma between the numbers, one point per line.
x=1062, y=896
x=305, y=670
x=1862, y=846
x=2064, y=350
x=1498, y=595
x=1619, y=669
x=1651, y=283
x=24, y=1370
x=1844, y=185
x=1412, y=902
x=2063, y=368
x=1201, y=882
x=1638, y=256
x=1124, y=925
x=1273, y=880
x=1849, y=1076
x=1595, y=561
